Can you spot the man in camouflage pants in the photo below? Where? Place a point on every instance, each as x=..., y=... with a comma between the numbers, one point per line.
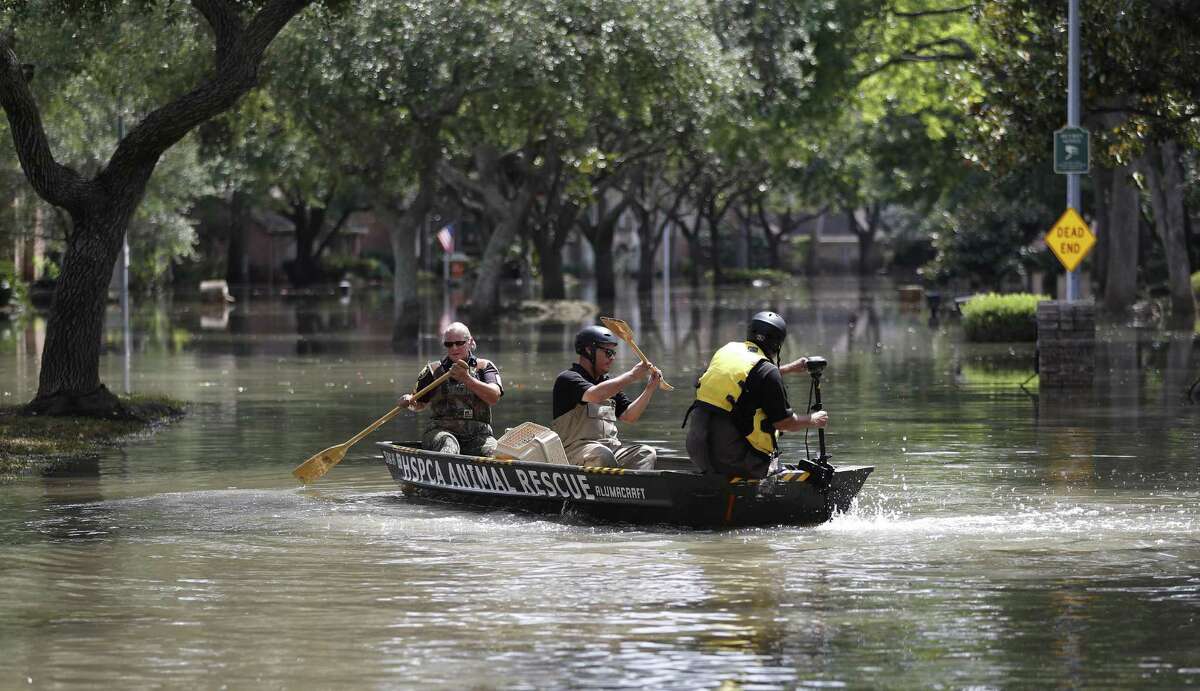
x=461, y=407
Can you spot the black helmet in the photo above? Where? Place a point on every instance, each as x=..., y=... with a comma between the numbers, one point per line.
x=593, y=336
x=768, y=330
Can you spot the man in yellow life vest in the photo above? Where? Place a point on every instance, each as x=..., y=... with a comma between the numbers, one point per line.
x=742, y=404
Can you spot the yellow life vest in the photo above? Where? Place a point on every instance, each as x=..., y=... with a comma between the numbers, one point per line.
x=721, y=386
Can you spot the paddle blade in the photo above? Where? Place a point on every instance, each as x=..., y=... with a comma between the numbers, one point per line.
x=619, y=327
x=318, y=465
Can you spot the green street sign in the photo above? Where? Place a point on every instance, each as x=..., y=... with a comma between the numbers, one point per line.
x=1072, y=150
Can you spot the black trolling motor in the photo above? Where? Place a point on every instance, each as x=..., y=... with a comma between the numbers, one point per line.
x=819, y=469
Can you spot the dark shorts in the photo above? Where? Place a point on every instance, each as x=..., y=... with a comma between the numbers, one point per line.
x=715, y=445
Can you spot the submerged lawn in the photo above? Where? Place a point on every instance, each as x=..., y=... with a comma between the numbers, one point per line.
x=30, y=442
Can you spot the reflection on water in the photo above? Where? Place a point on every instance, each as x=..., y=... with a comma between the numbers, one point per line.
x=1007, y=538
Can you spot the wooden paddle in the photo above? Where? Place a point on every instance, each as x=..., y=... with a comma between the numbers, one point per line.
x=318, y=465
x=622, y=331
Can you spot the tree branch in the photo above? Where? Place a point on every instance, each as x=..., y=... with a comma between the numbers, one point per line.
x=346, y=214
x=932, y=13
x=52, y=181
x=227, y=26
x=918, y=53
x=239, y=53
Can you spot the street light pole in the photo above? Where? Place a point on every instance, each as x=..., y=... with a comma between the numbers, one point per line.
x=1073, y=121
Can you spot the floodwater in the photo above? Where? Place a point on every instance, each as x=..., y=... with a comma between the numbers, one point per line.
x=1006, y=539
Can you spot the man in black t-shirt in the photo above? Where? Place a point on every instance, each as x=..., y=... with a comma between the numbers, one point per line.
x=741, y=403
x=588, y=403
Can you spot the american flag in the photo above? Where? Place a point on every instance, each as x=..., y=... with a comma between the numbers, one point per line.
x=445, y=238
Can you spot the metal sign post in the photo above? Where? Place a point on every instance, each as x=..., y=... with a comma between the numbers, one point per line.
x=1073, y=122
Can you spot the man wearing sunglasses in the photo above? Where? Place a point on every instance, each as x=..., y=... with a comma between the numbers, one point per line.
x=461, y=419
x=588, y=403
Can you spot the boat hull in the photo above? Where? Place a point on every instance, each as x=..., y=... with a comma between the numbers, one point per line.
x=668, y=497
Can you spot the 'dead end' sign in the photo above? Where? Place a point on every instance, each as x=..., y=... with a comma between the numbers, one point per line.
x=1070, y=239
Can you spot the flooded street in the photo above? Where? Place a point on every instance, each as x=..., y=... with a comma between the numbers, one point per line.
x=1007, y=538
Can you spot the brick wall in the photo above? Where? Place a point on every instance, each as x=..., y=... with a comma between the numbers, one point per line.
x=1066, y=343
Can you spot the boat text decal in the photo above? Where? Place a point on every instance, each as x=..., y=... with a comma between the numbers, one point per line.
x=533, y=483
x=619, y=492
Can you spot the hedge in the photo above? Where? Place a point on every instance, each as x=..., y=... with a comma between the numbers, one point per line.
x=1001, y=318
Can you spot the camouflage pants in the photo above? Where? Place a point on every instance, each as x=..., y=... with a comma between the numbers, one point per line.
x=447, y=442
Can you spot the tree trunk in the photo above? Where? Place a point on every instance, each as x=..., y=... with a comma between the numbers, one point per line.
x=304, y=270
x=743, y=240
x=866, y=235
x=1120, y=288
x=646, y=250
x=409, y=223
x=714, y=226
x=1103, y=188
x=774, y=240
x=69, y=381
x=601, y=234
x=236, y=257
x=554, y=286
x=1165, y=180
x=606, y=281
x=774, y=258
x=814, y=246
x=403, y=238
x=695, y=252
x=485, y=294
x=866, y=245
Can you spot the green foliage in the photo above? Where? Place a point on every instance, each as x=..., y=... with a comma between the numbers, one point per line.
x=83, y=54
x=1196, y=283
x=12, y=289
x=999, y=377
x=339, y=265
x=1001, y=318
x=1138, y=77
x=796, y=251
x=985, y=228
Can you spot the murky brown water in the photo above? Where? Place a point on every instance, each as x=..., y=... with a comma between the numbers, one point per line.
x=1004, y=539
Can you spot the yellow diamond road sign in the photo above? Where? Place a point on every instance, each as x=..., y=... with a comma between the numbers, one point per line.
x=1070, y=239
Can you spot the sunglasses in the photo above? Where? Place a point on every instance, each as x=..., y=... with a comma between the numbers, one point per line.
x=610, y=352
x=453, y=344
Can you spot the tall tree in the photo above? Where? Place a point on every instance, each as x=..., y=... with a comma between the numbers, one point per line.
x=101, y=205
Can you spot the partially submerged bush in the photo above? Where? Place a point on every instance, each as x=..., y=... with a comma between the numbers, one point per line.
x=1001, y=318
x=753, y=277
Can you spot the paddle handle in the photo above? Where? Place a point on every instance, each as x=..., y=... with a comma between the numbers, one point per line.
x=662, y=383
x=638, y=351
x=396, y=411
x=373, y=426
x=623, y=332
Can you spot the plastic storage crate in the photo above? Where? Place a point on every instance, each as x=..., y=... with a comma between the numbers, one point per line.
x=530, y=441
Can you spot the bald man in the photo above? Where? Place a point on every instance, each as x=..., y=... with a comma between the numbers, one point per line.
x=461, y=420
